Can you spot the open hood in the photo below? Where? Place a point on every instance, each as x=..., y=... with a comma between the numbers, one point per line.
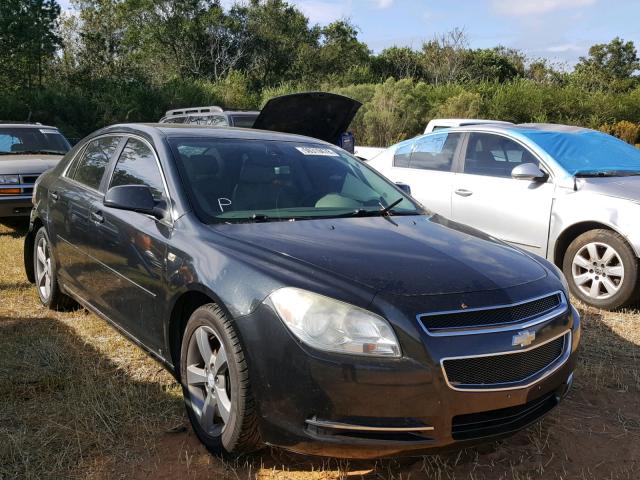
x=314, y=114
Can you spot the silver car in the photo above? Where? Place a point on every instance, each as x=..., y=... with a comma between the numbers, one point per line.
x=569, y=194
x=26, y=151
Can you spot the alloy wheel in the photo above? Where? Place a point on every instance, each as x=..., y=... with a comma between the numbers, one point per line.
x=43, y=268
x=209, y=380
x=597, y=270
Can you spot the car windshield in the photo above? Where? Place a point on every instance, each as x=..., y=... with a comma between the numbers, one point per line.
x=28, y=140
x=254, y=180
x=587, y=152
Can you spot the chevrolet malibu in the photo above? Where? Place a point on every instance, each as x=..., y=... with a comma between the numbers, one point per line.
x=301, y=299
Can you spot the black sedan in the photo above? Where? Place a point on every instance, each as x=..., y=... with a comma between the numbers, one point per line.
x=301, y=299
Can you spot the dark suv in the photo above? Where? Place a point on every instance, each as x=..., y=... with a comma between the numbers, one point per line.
x=300, y=298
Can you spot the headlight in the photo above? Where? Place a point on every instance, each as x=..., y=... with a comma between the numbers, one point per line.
x=334, y=326
x=9, y=179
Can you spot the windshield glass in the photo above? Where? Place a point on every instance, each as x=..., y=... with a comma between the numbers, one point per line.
x=587, y=151
x=255, y=180
x=21, y=140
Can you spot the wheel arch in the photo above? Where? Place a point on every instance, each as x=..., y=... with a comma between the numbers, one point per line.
x=572, y=232
x=29, y=243
x=183, y=306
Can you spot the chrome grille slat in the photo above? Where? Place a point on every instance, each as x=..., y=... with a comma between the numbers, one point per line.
x=494, y=318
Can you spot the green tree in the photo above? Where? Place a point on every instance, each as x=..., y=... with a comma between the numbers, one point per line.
x=28, y=39
x=608, y=66
x=398, y=62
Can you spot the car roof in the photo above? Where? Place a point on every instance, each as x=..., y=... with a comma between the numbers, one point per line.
x=25, y=125
x=175, y=130
x=541, y=127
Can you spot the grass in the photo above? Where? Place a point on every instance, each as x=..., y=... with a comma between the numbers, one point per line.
x=77, y=400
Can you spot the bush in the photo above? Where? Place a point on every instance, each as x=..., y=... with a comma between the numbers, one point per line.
x=624, y=130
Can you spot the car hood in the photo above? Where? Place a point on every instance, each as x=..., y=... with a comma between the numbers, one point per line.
x=15, y=164
x=314, y=114
x=627, y=188
x=415, y=255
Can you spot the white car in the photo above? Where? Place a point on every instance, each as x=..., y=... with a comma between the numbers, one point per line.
x=569, y=194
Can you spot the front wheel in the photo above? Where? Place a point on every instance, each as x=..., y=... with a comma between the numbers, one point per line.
x=215, y=384
x=602, y=269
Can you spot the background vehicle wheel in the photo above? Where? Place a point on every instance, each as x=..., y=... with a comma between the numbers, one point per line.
x=44, y=268
x=602, y=269
x=215, y=384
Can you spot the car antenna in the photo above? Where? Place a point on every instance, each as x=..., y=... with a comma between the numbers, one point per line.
x=29, y=117
x=575, y=183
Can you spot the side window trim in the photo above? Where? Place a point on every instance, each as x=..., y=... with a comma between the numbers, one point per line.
x=463, y=153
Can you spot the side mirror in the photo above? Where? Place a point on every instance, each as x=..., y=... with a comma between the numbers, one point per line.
x=404, y=187
x=529, y=171
x=136, y=198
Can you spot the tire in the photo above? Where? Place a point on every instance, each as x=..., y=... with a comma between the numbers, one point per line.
x=46, y=278
x=602, y=269
x=217, y=396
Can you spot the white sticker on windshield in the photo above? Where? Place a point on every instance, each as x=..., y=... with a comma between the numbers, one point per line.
x=48, y=131
x=317, y=151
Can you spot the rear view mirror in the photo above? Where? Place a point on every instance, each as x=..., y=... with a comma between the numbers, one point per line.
x=136, y=198
x=528, y=171
x=404, y=187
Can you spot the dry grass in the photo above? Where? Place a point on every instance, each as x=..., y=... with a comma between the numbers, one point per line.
x=77, y=400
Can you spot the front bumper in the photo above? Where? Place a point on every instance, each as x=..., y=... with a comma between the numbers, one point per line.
x=15, y=206
x=352, y=407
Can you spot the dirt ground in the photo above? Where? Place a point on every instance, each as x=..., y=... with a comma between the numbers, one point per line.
x=77, y=400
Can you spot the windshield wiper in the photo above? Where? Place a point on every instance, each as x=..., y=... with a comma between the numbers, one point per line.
x=386, y=210
x=605, y=173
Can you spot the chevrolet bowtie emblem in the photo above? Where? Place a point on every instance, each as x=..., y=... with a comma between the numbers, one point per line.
x=524, y=338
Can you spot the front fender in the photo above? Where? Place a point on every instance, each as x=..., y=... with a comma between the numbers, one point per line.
x=574, y=208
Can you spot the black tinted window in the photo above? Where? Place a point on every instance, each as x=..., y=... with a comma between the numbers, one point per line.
x=91, y=166
x=435, y=152
x=494, y=155
x=137, y=166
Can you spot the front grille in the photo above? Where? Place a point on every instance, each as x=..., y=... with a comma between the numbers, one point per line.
x=505, y=420
x=29, y=179
x=504, y=368
x=490, y=317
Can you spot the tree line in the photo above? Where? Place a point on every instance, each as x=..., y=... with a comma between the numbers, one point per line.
x=113, y=61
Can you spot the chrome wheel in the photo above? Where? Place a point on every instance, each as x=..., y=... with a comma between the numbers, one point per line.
x=208, y=380
x=43, y=269
x=597, y=270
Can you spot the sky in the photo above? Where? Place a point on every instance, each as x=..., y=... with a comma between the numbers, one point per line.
x=560, y=30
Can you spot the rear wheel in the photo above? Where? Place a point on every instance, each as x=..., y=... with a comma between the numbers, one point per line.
x=602, y=269
x=44, y=268
x=215, y=384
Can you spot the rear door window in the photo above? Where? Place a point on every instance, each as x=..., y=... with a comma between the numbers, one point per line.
x=435, y=152
x=93, y=162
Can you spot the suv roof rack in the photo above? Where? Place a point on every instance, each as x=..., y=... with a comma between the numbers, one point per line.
x=187, y=111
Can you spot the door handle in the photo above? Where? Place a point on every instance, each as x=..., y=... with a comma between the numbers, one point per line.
x=97, y=217
x=54, y=196
x=464, y=193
